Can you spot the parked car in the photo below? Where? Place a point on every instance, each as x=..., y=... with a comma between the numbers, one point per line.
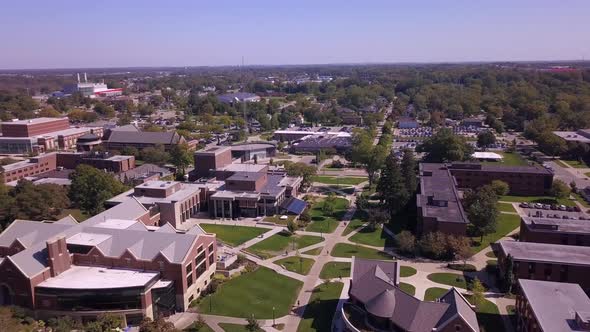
x=577, y=209
x=565, y=216
x=524, y=205
x=553, y=207
x=570, y=209
x=546, y=206
x=562, y=208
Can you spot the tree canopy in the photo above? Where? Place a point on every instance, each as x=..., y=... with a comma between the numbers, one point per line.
x=91, y=187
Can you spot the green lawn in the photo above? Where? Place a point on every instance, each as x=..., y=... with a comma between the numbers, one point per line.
x=373, y=237
x=561, y=163
x=410, y=289
x=576, y=163
x=358, y=219
x=261, y=290
x=234, y=235
x=581, y=200
x=296, y=264
x=510, y=159
x=407, y=271
x=348, y=180
x=205, y=328
x=280, y=242
x=76, y=213
x=434, y=293
x=506, y=207
x=322, y=305
x=506, y=224
x=326, y=224
x=349, y=250
x=538, y=199
x=488, y=316
x=228, y=327
x=314, y=252
x=587, y=174
x=451, y=279
x=276, y=219
x=335, y=270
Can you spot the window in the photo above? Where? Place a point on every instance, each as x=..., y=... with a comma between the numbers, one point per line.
x=211, y=259
x=189, y=268
x=189, y=280
x=200, y=270
x=210, y=248
x=200, y=258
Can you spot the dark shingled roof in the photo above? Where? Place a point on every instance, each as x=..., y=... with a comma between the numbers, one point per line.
x=375, y=284
x=169, y=137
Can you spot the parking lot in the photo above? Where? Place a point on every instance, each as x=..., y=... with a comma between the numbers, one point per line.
x=549, y=211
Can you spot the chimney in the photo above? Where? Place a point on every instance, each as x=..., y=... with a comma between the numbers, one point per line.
x=85, y=78
x=58, y=256
x=78, y=74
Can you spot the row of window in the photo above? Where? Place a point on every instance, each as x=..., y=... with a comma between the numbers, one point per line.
x=200, y=265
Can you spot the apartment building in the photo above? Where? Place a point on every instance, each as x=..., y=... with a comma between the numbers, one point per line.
x=549, y=262
x=543, y=306
x=111, y=263
x=555, y=231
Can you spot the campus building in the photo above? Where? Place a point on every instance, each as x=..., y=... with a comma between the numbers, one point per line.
x=439, y=200
x=37, y=166
x=169, y=202
x=376, y=297
x=41, y=134
x=250, y=151
x=119, y=139
x=240, y=97
x=571, y=232
x=523, y=180
x=244, y=190
x=551, y=306
x=550, y=262
x=111, y=263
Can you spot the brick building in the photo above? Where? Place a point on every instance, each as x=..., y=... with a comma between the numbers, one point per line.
x=551, y=306
x=110, y=263
x=168, y=201
x=41, y=134
x=439, y=205
x=523, y=180
x=556, y=231
x=119, y=139
x=48, y=162
x=375, y=293
x=245, y=190
x=550, y=262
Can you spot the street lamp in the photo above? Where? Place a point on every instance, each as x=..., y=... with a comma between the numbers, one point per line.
x=273, y=317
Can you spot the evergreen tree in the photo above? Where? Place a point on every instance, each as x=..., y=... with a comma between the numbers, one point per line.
x=482, y=209
x=508, y=278
x=392, y=187
x=409, y=171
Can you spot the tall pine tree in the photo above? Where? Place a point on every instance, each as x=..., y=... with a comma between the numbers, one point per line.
x=409, y=171
x=392, y=187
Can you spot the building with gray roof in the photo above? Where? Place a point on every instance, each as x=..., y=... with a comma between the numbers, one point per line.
x=117, y=140
x=544, y=261
x=374, y=290
x=555, y=231
x=113, y=262
x=551, y=306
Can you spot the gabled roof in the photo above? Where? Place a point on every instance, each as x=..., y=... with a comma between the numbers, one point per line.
x=145, y=137
x=375, y=284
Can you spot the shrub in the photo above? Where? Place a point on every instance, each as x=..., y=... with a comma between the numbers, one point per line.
x=406, y=242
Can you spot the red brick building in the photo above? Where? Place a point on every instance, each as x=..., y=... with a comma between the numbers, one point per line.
x=551, y=306
x=110, y=263
x=549, y=262
x=555, y=231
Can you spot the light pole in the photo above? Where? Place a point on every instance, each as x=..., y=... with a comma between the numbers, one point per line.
x=273, y=317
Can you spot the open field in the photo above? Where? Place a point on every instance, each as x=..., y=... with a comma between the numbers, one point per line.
x=234, y=235
x=280, y=242
x=349, y=250
x=510, y=159
x=296, y=264
x=506, y=224
x=320, y=222
x=348, y=180
x=259, y=289
x=322, y=305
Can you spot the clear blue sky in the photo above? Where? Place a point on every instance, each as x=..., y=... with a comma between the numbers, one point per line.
x=106, y=33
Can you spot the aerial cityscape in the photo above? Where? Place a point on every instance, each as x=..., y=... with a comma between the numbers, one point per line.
x=350, y=167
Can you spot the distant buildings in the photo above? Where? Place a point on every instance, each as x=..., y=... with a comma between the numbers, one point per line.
x=250, y=151
x=383, y=306
x=240, y=97
x=119, y=139
x=111, y=263
x=407, y=123
x=314, y=141
x=37, y=167
x=41, y=134
x=555, y=231
x=91, y=89
x=580, y=136
x=551, y=306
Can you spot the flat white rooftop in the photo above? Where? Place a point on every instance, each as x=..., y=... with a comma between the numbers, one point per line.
x=116, y=223
x=33, y=121
x=487, y=155
x=92, y=277
x=87, y=239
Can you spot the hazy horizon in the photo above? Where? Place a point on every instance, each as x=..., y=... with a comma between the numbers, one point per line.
x=69, y=35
